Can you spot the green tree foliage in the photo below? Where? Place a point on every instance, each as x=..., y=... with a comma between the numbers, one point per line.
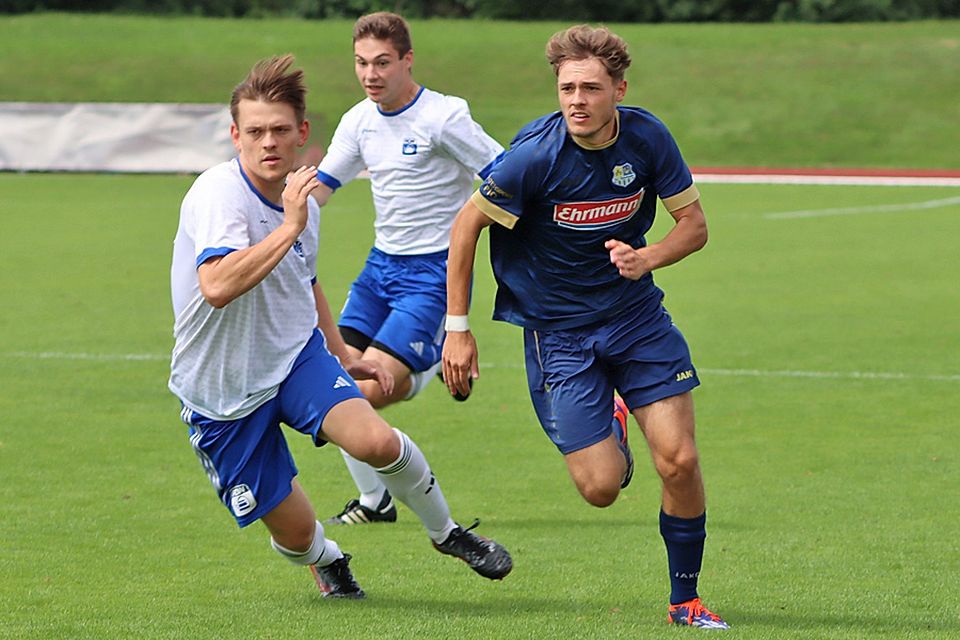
x=568, y=10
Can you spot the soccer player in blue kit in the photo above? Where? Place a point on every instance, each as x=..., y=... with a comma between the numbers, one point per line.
x=256, y=345
x=568, y=207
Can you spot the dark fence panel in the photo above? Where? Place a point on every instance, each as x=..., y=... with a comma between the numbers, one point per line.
x=565, y=10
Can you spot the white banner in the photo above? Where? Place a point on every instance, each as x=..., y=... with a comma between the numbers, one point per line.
x=105, y=136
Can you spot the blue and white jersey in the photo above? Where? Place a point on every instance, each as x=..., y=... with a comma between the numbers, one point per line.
x=227, y=362
x=558, y=200
x=422, y=161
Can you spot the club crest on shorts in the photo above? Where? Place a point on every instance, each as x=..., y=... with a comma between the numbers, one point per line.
x=409, y=147
x=623, y=174
x=242, y=501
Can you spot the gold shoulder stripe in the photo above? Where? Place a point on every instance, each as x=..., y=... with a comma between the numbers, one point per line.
x=682, y=199
x=495, y=213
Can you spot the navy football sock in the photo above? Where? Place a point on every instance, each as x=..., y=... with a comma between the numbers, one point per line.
x=684, y=539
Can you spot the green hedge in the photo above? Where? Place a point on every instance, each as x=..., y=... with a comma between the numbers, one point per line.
x=576, y=10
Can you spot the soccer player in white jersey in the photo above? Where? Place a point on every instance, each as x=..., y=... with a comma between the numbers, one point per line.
x=256, y=345
x=422, y=149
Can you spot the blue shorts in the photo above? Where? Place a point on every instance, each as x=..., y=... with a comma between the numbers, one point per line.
x=572, y=373
x=247, y=460
x=397, y=305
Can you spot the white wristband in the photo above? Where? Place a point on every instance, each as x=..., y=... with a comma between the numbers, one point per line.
x=456, y=323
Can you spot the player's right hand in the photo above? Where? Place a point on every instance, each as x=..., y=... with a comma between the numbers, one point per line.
x=299, y=185
x=360, y=369
x=460, y=362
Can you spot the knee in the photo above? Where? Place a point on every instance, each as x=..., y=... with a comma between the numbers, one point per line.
x=379, y=447
x=678, y=467
x=373, y=393
x=598, y=493
x=296, y=536
x=301, y=538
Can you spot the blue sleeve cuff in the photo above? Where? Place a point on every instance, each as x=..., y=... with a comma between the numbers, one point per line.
x=213, y=252
x=328, y=180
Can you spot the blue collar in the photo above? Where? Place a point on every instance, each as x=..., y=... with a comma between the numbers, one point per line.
x=403, y=108
x=256, y=191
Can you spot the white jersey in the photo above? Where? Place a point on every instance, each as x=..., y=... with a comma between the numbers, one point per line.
x=227, y=362
x=422, y=161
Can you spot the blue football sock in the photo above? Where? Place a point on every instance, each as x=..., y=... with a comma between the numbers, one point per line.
x=684, y=539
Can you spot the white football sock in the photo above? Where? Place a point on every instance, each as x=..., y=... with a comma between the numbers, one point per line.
x=367, y=481
x=410, y=480
x=322, y=550
x=420, y=379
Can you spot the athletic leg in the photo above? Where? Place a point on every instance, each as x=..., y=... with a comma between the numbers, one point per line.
x=598, y=471
x=356, y=427
x=573, y=399
x=292, y=527
x=299, y=537
x=401, y=376
x=374, y=503
x=668, y=426
x=392, y=317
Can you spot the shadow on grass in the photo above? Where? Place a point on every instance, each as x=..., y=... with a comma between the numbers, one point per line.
x=509, y=607
x=858, y=623
x=505, y=606
x=563, y=523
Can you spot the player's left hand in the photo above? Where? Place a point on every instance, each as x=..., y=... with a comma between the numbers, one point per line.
x=369, y=370
x=628, y=261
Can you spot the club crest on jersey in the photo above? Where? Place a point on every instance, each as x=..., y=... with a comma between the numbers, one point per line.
x=587, y=216
x=623, y=174
x=409, y=147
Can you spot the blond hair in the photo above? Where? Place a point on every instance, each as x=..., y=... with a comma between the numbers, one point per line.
x=384, y=25
x=269, y=81
x=583, y=41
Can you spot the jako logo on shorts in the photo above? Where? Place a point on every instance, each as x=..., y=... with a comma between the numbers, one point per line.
x=597, y=215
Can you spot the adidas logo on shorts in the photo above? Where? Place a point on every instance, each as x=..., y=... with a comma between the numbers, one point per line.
x=341, y=382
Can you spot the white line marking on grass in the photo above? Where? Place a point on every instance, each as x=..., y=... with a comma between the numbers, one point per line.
x=784, y=373
x=749, y=373
x=867, y=181
x=99, y=357
x=831, y=375
x=877, y=208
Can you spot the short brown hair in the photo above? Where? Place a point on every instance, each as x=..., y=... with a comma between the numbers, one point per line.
x=269, y=81
x=384, y=25
x=583, y=41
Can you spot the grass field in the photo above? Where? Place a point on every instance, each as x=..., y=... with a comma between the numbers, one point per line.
x=827, y=346
x=874, y=95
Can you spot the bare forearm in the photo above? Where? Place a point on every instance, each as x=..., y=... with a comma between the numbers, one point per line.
x=322, y=194
x=460, y=359
x=225, y=279
x=463, y=249
x=327, y=324
x=687, y=236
